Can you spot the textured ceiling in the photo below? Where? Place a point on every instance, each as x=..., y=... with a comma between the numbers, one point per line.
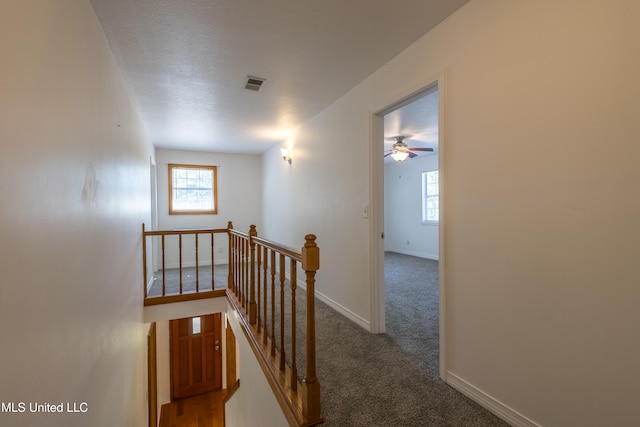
x=186, y=62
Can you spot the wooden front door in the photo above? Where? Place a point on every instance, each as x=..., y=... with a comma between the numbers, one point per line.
x=196, y=355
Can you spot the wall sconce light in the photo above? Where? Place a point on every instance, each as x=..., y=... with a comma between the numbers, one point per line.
x=286, y=155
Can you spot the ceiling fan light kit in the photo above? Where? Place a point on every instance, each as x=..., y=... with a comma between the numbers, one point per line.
x=400, y=150
x=399, y=155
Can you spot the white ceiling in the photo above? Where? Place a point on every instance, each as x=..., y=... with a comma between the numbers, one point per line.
x=186, y=62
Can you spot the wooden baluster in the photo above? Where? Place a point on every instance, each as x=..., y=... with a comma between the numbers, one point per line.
x=252, y=275
x=258, y=293
x=163, y=268
x=230, y=265
x=244, y=274
x=238, y=267
x=311, y=386
x=282, y=312
x=180, y=260
x=144, y=261
x=238, y=277
x=213, y=284
x=235, y=265
x=293, y=283
x=197, y=284
x=273, y=303
x=265, y=265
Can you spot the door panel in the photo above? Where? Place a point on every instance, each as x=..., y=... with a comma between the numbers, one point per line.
x=196, y=356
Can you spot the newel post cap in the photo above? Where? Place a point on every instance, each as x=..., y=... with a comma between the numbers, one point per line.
x=310, y=254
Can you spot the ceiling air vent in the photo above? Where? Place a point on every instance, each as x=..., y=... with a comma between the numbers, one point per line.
x=254, y=83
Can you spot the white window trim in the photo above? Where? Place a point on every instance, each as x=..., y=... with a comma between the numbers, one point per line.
x=431, y=222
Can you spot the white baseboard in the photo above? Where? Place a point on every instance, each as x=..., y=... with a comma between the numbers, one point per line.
x=416, y=254
x=364, y=323
x=503, y=411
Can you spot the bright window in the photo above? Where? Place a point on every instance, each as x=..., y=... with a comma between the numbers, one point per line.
x=430, y=197
x=192, y=189
x=195, y=325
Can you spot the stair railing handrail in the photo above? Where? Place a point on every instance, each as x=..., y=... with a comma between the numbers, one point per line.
x=164, y=298
x=248, y=253
x=249, y=257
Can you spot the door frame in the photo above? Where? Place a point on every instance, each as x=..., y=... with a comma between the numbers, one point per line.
x=152, y=375
x=376, y=225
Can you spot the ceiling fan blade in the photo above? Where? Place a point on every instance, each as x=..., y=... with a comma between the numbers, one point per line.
x=421, y=149
x=388, y=154
x=412, y=155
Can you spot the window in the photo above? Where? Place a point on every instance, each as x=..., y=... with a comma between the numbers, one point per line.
x=192, y=189
x=430, y=198
x=195, y=325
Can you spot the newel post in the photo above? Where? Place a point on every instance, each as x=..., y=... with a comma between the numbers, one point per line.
x=230, y=262
x=252, y=275
x=311, y=386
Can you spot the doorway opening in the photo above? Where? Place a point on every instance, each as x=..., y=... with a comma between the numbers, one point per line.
x=407, y=295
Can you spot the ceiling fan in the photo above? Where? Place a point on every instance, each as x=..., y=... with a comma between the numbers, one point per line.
x=400, y=150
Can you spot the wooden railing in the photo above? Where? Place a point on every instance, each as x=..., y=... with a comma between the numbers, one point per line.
x=256, y=268
x=265, y=297
x=200, y=291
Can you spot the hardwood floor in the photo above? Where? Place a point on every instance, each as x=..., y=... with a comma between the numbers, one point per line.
x=205, y=410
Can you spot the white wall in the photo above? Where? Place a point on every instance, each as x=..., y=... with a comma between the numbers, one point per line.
x=163, y=363
x=404, y=231
x=239, y=200
x=324, y=193
x=540, y=211
x=74, y=190
x=253, y=404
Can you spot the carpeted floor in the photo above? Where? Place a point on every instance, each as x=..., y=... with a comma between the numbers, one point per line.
x=172, y=280
x=392, y=379
x=370, y=380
